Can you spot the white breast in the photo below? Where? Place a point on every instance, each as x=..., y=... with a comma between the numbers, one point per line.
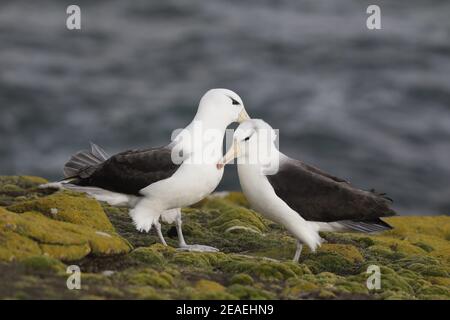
x=260, y=193
x=263, y=199
x=188, y=185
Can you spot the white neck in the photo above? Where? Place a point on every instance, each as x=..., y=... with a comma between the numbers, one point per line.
x=263, y=155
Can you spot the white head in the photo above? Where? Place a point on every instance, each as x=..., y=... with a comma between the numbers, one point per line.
x=203, y=137
x=253, y=143
x=221, y=106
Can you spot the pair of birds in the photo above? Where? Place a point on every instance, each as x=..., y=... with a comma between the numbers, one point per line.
x=157, y=182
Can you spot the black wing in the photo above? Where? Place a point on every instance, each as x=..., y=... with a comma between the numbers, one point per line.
x=130, y=171
x=318, y=196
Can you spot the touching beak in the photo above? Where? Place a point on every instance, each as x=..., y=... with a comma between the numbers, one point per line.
x=243, y=115
x=234, y=152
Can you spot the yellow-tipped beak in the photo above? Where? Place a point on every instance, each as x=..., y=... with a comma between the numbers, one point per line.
x=234, y=152
x=243, y=115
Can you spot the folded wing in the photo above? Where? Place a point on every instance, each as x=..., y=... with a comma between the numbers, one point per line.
x=130, y=171
x=318, y=196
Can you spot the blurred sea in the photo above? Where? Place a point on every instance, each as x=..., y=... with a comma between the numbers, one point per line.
x=370, y=106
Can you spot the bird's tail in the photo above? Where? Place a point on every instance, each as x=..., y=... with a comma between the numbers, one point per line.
x=84, y=159
x=370, y=226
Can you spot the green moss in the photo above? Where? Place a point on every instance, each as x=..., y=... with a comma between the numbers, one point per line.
x=145, y=293
x=210, y=286
x=198, y=259
x=22, y=182
x=396, y=295
x=330, y=262
x=348, y=252
x=210, y=290
x=32, y=233
x=43, y=264
x=148, y=256
x=150, y=277
x=242, y=278
x=69, y=207
x=233, y=217
x=66, y=252
x=414, y=257
x=394, y=282
x=434, y=292
x=16, y=247
x=14, y=189
x=264, y=269
x=350, y=286
x=248, y=292
x=424, y=246
x=298, y=287
x=237, y=198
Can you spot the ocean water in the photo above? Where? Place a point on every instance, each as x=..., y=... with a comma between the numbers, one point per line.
x=369, y=106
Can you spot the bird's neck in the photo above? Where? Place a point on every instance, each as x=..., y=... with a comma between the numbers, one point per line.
x=265, y=156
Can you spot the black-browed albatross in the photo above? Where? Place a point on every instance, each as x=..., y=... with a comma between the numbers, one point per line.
x=160, y=181
x=301, y=197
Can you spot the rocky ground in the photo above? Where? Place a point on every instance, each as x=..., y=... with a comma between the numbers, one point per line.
x=43, y=232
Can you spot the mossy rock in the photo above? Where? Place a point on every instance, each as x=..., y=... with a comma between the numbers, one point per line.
x=264, y=269
x=348, y=252
x=31, y=233
x=201, y=260
x=36, y=242
x=149, y=277
x=14, y=189
x=331, y=262
x=247, y=292
x=242, y=278
x=148, y=256
x=210, y=290
x=21, y=182
x=233, y=217
x=14, y=246
x=69, y=207
x=43, y=264
x=299, y=287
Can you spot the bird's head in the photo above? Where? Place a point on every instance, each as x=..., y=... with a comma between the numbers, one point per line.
x=223, y=105
x=253, y=140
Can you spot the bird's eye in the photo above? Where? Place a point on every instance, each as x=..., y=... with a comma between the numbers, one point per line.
x=234, y=101
x=246, y=139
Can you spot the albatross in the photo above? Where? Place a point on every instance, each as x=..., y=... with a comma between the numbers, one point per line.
x=302, y=198
x=158, y=182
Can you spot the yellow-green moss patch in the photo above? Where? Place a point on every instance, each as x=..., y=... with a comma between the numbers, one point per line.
x=69, y=207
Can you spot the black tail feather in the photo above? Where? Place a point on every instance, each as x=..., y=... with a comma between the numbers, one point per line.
x=83, y=160
x=382, y=195
x=376, y=225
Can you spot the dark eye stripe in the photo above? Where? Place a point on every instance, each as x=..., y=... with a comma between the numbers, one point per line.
x=234, y=102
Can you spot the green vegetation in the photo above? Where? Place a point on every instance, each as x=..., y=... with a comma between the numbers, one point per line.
x=42, y=232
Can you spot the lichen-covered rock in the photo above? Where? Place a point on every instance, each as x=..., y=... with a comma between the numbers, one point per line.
x=63, y=225
x=19, y=188
x=31, y=233
x=42, y=230
x=69, y=207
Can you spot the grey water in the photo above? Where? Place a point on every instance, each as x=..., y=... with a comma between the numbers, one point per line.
x=371, y=106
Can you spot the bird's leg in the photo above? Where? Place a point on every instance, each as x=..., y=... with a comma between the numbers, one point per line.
x=298, y=251
x=178, y=223
x=182, y=242
x=158, y=231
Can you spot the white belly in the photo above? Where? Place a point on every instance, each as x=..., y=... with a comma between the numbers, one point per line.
x=263, y=199
x=259, y=192
x=188, y=185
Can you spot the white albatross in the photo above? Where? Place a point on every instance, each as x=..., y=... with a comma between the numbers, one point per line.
x=302, y=198
x=158, y=182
